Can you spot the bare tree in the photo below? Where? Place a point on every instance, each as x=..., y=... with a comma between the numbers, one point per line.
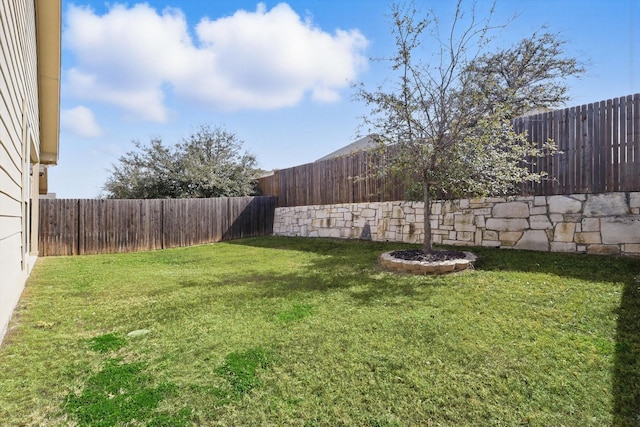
x=449, y=119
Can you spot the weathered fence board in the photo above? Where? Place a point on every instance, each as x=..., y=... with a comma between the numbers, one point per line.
x=86, y=226
x=599, y=147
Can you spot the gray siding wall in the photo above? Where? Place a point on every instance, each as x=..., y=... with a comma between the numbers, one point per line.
x=19, y=147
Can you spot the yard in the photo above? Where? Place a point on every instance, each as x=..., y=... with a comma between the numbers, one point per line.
x=286, y=331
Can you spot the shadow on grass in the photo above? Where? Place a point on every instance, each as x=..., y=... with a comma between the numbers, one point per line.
x=339, y=268
x=322, y=275
x=577, y=266
x=351, y=266
x=343, y=265
x=626, y=370
x=620, y=270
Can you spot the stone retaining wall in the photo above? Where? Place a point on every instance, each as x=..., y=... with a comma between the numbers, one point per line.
x=587, y=223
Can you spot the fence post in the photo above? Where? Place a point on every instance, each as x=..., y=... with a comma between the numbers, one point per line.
x=162, y=216
x=78, y=228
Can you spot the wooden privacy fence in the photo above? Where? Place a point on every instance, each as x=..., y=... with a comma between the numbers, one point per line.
x=346, y=179
x=599, y=144
x=86, y=226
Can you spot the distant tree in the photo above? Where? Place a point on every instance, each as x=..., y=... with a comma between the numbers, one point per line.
x=449, y=119
x=210, y=163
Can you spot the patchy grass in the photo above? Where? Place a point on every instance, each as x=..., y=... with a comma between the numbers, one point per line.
x=296, y=313
x=278, y=331
x=107, y=342
x=119, y=394
x=240, y=369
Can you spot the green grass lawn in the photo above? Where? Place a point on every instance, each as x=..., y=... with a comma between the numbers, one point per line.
x=310, y=332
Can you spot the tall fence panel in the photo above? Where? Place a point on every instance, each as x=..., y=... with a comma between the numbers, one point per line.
x=346, y=179
x=58, y=228
x=599, y=147
x=86, y=226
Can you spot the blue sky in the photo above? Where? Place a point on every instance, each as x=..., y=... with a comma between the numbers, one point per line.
x=278, y=74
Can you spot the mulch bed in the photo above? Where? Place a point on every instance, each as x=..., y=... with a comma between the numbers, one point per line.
x=419, y=255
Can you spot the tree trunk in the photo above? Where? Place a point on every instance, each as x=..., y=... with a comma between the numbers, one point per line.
x=427, y=247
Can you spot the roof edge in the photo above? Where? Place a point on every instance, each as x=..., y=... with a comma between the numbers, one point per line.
x=48, y=47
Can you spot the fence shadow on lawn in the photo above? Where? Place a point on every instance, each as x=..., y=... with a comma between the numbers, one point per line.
x=626, y=365
x=626, y=371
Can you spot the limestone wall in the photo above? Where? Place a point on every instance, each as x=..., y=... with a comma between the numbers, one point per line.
x=592, y=223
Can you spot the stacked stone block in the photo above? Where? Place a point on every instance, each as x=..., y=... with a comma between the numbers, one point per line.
x=584, y=223
x=424, y=267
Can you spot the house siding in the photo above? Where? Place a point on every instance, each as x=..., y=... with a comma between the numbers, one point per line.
x=19, y=149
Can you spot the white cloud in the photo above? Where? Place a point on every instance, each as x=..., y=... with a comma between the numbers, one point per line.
x=132, y=58
x=80, y=121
